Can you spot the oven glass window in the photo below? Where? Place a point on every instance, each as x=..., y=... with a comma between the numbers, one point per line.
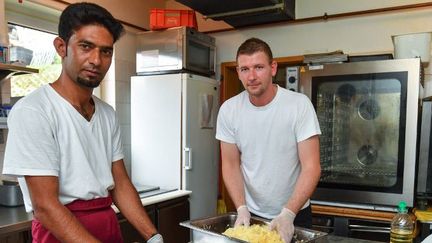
x=362, y=123
x=198, y=56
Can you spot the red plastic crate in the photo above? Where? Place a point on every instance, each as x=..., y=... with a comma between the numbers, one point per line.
x=167, y=18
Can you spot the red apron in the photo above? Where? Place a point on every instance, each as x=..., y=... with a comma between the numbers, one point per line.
x=95, y=215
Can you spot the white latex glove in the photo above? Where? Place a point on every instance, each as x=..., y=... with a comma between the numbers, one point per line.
x=243, y=216
x=157, y=238
x=284, y=224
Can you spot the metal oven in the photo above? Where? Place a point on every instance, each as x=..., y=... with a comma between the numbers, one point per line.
x=368, y=113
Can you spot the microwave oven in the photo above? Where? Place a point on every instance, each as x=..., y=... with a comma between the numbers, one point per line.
x=368, y=114
x=175, y=50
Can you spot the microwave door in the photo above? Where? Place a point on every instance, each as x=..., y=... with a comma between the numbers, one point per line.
x=159, y=51
x=200, y=57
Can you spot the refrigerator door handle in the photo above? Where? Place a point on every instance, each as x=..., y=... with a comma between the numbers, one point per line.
x=188, y=157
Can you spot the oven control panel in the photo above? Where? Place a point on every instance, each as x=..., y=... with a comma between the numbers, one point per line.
x=292, y=78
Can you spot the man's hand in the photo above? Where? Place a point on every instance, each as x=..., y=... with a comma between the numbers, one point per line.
x=243, y=216
x=283, y=223
x=157, y=238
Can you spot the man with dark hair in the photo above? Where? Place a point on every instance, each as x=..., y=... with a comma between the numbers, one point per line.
x=64, y=144
x=269, y=145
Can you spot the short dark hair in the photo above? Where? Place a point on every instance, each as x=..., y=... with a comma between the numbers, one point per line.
x=77, y=15
x=252, y=45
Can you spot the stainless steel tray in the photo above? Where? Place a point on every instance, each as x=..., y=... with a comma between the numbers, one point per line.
x=209, y=230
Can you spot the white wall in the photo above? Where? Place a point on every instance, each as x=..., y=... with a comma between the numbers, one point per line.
x=356, y=35
x=312, y=8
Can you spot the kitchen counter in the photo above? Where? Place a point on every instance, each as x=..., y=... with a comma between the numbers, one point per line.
x=15, y=219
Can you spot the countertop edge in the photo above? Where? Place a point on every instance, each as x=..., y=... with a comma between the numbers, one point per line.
x=159, y=198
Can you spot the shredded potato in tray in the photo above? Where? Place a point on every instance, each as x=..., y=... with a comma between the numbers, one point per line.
x=254, y=234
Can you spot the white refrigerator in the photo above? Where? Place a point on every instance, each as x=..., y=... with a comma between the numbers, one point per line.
x=173, y=123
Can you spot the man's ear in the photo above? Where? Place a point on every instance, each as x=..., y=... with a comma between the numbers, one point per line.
x=61, y=46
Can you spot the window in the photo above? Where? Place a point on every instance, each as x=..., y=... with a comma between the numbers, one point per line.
x=32, y=48
x=32, y=28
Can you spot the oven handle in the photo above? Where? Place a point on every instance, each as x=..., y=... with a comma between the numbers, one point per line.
x=367, y=228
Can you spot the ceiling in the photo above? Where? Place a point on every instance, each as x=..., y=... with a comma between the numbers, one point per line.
x=244, y=13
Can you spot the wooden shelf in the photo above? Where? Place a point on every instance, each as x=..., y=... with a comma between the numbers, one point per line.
x=8, y=70
x=353, y=213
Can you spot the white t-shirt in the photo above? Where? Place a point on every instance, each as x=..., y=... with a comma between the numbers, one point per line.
x=48, y=137
x=267, y=138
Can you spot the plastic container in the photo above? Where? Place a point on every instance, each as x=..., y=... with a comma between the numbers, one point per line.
x=167, y=18
x=10, y=194
x=20, y=55
x=412, y=46
x=402, y=226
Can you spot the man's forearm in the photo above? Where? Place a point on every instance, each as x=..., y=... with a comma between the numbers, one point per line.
x=129, y=204
x=126, y=199
x=233, y=180
x=57, y=219
x=304, y=188
x=307, y=181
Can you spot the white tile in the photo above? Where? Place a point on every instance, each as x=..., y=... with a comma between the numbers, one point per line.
x=132, y=67
x=123, y=113
x=125, y=47
x=123, y=93
x=122, y=71
x=126, y=134
x=127, y=160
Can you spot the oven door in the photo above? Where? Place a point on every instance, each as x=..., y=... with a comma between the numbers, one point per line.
x=368, y=117
x=200, y=54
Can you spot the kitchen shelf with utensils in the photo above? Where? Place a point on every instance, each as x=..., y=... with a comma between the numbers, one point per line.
x=7, y=71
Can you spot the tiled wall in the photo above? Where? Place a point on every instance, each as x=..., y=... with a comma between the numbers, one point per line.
x=125, y=51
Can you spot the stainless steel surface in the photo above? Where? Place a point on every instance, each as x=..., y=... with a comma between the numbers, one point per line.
x=14, y=219
x=424, y=181
x=145, y=188
x=210, y=229
x=154, y=192
x=10, y=195
x=365, y=126
x=175, y=49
